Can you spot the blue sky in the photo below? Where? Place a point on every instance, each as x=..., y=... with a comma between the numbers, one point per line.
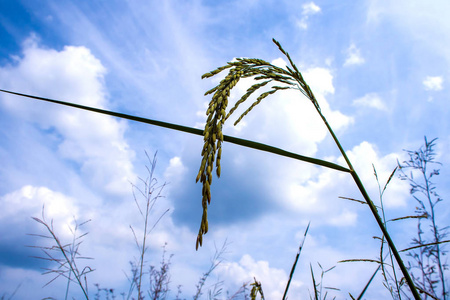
x=379, y=70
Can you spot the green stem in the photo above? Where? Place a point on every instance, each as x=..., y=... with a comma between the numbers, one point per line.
x=196, y=131
x=374, y=211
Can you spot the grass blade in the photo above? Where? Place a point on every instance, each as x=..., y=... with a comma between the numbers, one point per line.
x=295, y=262
x=196, y=131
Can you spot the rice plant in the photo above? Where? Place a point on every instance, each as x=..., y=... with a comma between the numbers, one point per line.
x=264, y=73
x=256, y=289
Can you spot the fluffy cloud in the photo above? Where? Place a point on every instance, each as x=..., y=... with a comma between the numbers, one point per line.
x=96, y=143
x=313, y=196
x=30, y=201
x=273, y=280
x=433, y=83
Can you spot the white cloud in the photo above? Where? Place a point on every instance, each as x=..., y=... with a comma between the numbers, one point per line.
x=353, y=56
x=93, y=141
x=318, y=195
x=371, y=100
x=273, y=280
x=308, y=9
x=364, y=156
x=433, y=83
x=320, y=80
x=345, y=218
x=20, y=205
x=427, y=25
x=175, y=170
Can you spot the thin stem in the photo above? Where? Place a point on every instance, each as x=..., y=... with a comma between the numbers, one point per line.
x=381, y=192
x=373, y=209
x=196, y=131
x=72, y=269
x=295, y=262
x=434, y=228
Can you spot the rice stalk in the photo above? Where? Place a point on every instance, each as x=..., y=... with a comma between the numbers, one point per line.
x=289, y=78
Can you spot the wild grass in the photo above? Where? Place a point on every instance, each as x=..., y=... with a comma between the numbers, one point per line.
x=428, y=265
x=66, y=257
x=320, y=291
x=67, y=266
x=5, y=295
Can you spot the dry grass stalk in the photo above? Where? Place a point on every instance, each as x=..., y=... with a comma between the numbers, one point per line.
x=216, y=260
x=67, y=265
x=428, y=266
x=150, y=193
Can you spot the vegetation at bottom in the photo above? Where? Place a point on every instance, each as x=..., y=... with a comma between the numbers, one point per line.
x=423, y=276
x=425, y=257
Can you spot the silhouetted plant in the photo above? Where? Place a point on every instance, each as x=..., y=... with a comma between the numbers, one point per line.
x=216, y=260
x=151, y=192
x=428, y=267
x=67, y=265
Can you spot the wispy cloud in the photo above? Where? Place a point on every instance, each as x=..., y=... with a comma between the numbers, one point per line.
x=354, y=56
x=308, y=9
x=371, y=100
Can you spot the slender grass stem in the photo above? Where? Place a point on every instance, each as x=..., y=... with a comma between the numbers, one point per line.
x=196, y=131
x=368, y=283
x=295, y=262
x=373, y=209
x=391, y=244
x=434, y=228
x=63, y=251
